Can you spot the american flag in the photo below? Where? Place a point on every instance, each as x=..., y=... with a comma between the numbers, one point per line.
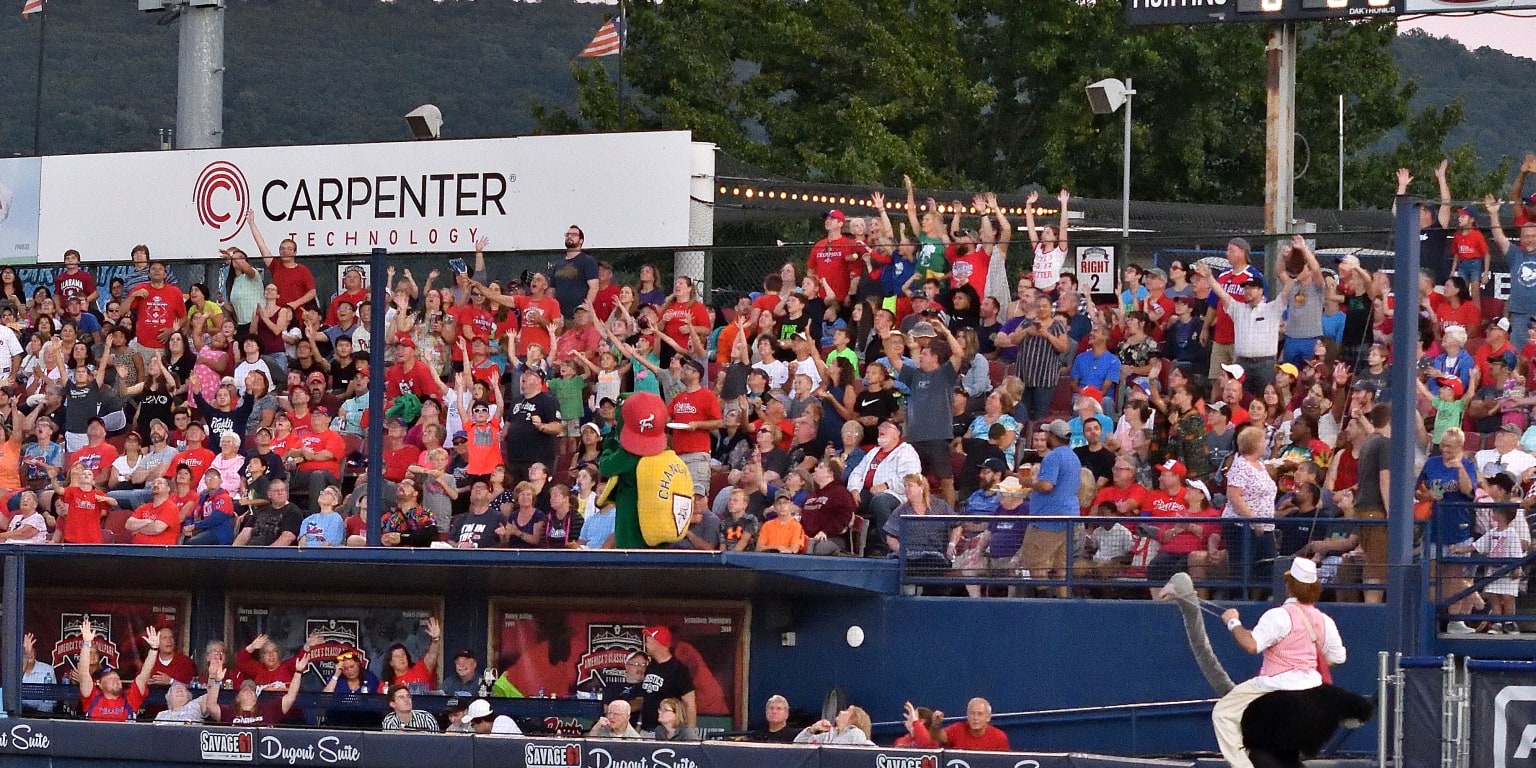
x=31, y=7
x=607, y=42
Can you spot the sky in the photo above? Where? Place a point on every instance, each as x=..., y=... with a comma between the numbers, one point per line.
x=1512, y=35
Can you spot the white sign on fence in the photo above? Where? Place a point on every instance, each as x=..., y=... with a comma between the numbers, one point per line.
x=1096, y=269
x=626, y=190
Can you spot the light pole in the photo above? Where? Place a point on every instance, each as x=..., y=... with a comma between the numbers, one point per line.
x=1104, y=97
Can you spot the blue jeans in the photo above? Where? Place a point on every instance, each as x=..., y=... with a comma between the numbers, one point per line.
x=1038, y=400
x=1471, y=270
x=1298, y=351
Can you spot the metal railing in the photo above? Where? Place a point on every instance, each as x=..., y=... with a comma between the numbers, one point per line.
x=1248, y=565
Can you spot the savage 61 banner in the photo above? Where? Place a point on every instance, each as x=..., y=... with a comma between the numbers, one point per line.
x=562, y=648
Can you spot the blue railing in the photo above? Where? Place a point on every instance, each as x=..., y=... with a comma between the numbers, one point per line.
x=1451, y=578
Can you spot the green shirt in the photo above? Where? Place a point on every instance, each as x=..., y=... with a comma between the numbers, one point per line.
x=570, y=394
x=930, y=258
x=1448, y=413
x=846, y=354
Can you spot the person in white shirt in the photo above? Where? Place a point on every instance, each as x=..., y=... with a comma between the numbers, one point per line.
x=1256, y=329
x=1299, y=644
x=1505, y=455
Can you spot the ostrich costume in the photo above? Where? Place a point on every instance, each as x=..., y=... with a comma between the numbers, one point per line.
x=1280, y=727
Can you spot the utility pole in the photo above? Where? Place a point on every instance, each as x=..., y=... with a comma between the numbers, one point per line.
x=1280, y=140
x=200, y=70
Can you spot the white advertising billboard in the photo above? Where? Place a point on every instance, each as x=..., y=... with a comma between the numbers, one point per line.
x=626, y=190
x=20, y=179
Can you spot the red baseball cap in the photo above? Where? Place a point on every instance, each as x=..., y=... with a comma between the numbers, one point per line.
x=1093, y=392
x=661, y=635
x=835, y=214
x=645, y=424
x=1176, y=467
x=405, y=340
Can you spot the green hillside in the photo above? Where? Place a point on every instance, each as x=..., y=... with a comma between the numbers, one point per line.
x=1488, y=81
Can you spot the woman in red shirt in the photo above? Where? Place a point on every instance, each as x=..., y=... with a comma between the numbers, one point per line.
x=684, y=316
x=1459, y=309
x=399, y=668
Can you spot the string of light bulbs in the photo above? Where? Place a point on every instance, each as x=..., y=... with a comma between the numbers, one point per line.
x=827, y=198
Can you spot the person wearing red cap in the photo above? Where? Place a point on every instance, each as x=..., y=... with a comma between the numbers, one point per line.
x=409, y=375
x=665, y=678
x=835, y=260
x=1470, y=250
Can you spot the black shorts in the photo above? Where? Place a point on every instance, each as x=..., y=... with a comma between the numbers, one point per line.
x=934, y=454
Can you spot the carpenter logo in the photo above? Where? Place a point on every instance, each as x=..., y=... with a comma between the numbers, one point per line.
x=222, y=198
x=552, y=755
x=236, y=747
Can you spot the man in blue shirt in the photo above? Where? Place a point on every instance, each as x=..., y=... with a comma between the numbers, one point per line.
x=1522, y=271
x=1053, y=493
x=1097, y=366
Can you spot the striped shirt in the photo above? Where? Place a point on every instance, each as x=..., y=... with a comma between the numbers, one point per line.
x=1039, y=364
x=420, y=721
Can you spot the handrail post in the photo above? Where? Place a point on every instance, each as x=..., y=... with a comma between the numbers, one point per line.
x=13, y=627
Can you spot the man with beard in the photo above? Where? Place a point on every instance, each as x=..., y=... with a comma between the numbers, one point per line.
x=481, y=527
x=574, y=278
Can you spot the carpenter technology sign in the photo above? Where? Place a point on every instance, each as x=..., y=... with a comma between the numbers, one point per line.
x=626, y=190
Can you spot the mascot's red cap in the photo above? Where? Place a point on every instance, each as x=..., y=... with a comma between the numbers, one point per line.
x=645, y=424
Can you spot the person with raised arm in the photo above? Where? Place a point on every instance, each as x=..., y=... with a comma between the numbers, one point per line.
x=102, y=694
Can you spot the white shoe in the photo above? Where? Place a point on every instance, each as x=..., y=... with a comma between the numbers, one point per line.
x=1458, y=628
x=1511, y=628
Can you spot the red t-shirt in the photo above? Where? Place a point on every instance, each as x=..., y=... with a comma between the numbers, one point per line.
x=418, y=381
x=837, y=261
x=292, y=282
x=76, y=283
x=1481, y=355
x=417, y=673
x=396, y=461
x=970, y=269
x=198, y=459
x=167, y=513
x=990, y=740
x=607, y=300
x=83, y=523
x=676, y=315
x=689, y=407
x=475, y=322
x=118, y=710
x=1163, y=505
x=484, y=447
x=1114, y=494
x=767, y=302
x=353, y=297
x=485, y=371
x=548, y=309
x=1467, y=315
x=161, y=310
x=1469, y=245
x=94, y=458
x=323, y=441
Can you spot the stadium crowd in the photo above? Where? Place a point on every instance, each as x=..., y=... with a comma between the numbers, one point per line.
x=891, y=374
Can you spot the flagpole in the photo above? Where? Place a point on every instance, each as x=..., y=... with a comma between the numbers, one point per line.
x=623, y=35
x=37, y=113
